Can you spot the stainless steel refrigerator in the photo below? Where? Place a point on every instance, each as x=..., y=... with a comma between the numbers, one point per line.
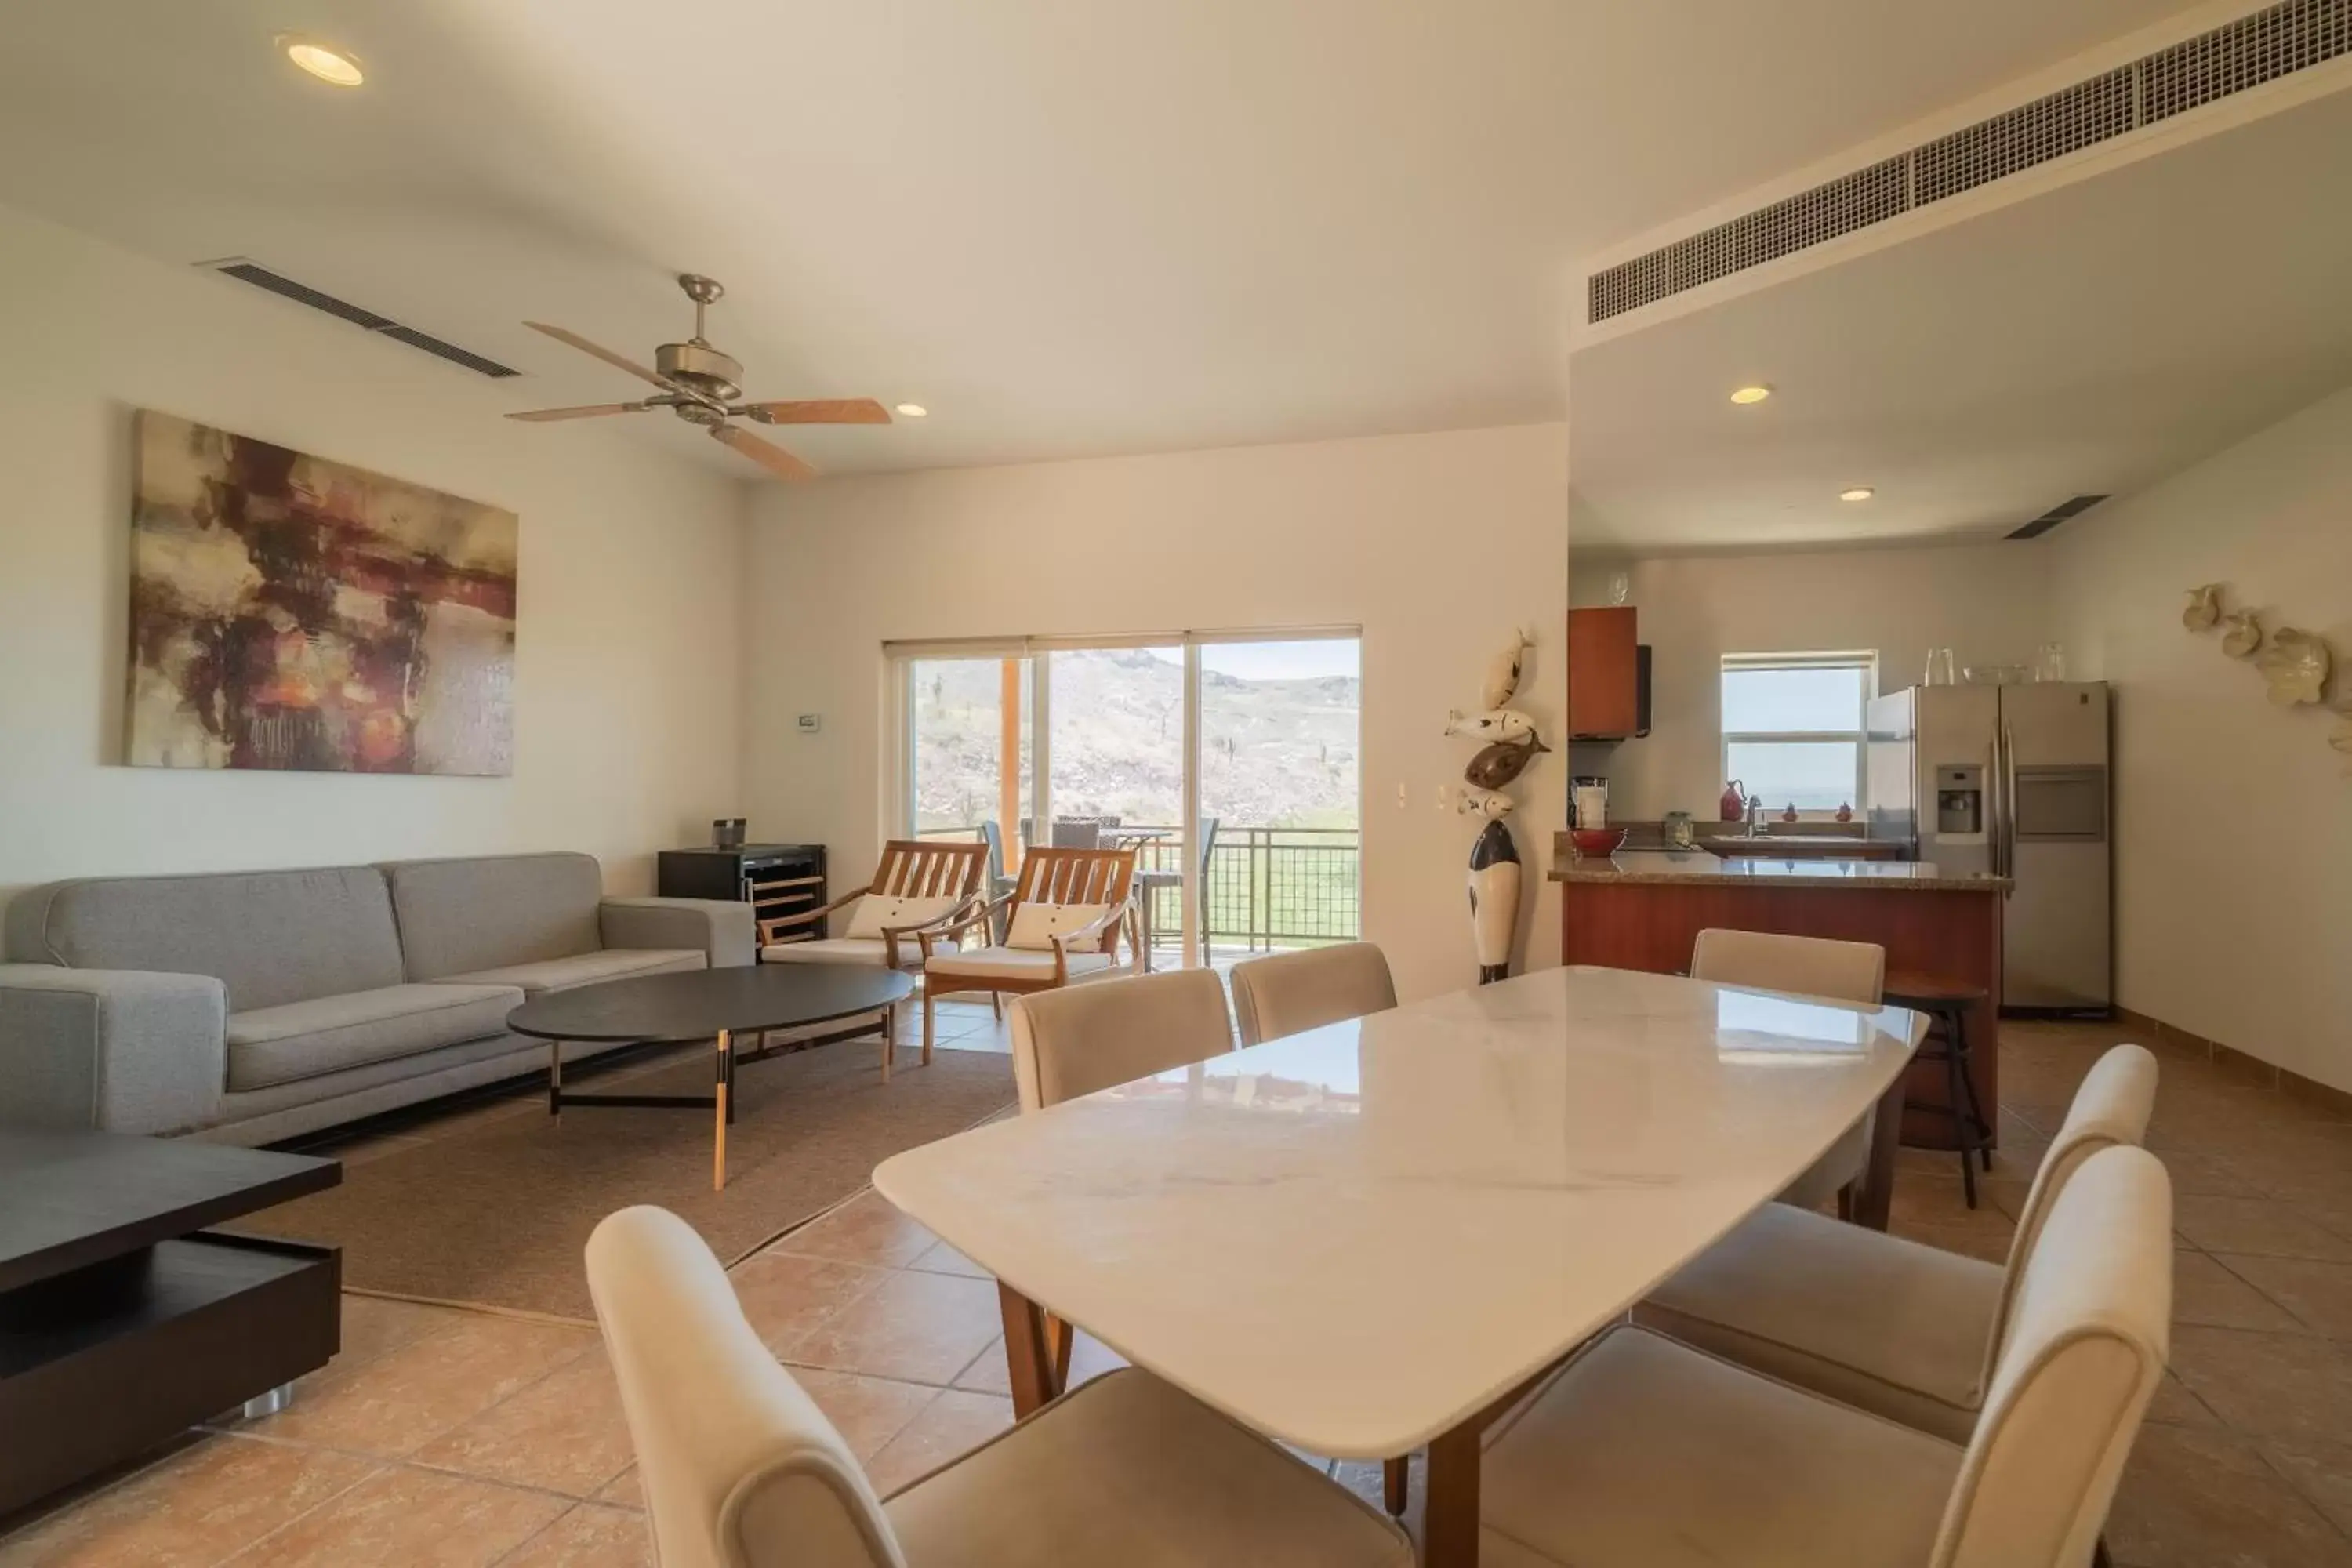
x=2011, y=780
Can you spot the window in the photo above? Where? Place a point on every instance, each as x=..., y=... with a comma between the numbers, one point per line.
x=1793, y=727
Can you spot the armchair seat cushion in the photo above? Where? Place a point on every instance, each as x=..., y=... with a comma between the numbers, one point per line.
x=1875, y=1321
x=1010, y=964
x=1643, y=1453
x=587, y=968
x=1125, y=1470
x=278, y=1044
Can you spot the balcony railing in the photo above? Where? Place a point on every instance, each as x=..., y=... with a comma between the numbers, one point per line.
x=1266, y=887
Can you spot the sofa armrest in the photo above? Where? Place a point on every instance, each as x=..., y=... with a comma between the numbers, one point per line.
x=114, y=1050
x=721, y=927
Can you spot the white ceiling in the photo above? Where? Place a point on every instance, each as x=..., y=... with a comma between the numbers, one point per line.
x=2088, y=340
x=1070, y=228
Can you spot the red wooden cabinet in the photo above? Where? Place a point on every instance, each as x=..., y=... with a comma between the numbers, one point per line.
x=1603, y=673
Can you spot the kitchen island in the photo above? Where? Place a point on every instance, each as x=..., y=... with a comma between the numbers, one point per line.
x=1644, y=910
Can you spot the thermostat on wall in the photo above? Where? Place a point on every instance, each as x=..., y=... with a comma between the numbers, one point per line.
x=809, y=723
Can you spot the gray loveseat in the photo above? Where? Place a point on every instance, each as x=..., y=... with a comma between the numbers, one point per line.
x=252, y=1006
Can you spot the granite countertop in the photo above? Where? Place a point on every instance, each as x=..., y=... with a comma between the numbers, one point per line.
x=1699, y=867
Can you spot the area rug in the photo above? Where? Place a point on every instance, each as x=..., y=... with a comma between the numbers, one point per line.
x=495, y=1213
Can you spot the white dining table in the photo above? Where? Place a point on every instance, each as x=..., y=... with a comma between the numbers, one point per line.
x=1376, y=1235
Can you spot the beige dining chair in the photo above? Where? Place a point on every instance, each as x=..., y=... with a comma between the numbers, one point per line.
x=1807, y=966
x=1645, y=1453
x=1087, y=1037
x=1911, y=1332
x=741, y=1470
x=1291, y=992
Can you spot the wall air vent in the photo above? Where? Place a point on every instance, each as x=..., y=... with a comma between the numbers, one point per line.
x=244, y=271
x=2074, y=505
x=2247, y=53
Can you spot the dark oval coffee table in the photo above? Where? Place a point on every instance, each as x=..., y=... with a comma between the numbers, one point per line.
x=715, y=1004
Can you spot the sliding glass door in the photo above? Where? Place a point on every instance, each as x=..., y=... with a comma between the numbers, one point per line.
x=1228, y=764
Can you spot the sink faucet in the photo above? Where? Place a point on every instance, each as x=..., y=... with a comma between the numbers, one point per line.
x=1755, y=817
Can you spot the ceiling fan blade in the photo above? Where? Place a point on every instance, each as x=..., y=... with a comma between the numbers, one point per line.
x=824, y=411
x=767, y=453
x=607, y=356
x=591, y=412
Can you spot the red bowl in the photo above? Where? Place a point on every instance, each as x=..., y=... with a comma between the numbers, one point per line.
x=1597, y=842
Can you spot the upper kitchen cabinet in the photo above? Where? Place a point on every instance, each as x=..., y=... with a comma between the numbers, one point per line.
x=1607, y=699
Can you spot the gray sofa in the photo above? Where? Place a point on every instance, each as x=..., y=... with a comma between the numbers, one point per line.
x=252, y=1006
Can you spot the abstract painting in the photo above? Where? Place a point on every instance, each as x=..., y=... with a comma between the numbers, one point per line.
x=287, y=611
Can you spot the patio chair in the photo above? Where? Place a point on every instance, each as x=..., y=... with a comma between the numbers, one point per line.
x=1061, y=922
x=1149, y=882
x=920, y=886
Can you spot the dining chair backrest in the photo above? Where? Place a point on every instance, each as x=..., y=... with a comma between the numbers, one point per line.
x=2110, y=1108
x=1807, y=966
x=739, y=1467
x=1293, y=992
x=1063, y=876
x=2086, y=1352
x=1081, y=1038
x=931, y=867
x=1081, y=832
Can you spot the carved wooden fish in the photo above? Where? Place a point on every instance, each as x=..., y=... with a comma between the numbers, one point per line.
x=1499, y=763
x=1504, y=669
x=1496, y=724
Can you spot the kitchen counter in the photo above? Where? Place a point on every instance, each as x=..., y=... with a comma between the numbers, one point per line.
x=1704, y=868
x=1803, y=846
x=1644, y=909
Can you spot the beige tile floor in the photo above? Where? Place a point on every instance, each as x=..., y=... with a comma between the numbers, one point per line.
x=446, y=1436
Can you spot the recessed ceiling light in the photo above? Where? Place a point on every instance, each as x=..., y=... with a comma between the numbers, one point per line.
x=1858, y=492
x=1751, y=395
x=913, y=410
x=324, y=61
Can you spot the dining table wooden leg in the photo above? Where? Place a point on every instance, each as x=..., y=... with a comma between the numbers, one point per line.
x=1875, y=1203
x=1396, y=1484
x=1449, y=1532
x=1028, y=1355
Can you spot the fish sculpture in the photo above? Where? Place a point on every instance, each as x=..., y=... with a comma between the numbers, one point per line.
x=2295, y=666
x=2203, y=609
x=2242, y=635
x=1499, y=764
x=1504, y=669
x=1494, y=901
x=1483, y=803
x=1496, y=724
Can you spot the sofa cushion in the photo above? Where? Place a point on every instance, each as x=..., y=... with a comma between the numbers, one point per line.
x=328, y=1033
x=587, y=968
x=269, y=937
x=490, y=911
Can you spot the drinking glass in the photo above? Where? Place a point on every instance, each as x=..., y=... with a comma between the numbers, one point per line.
x=2049, y=663
x=1942, y=671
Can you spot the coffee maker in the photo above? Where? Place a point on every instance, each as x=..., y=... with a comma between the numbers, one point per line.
x=1588, y=797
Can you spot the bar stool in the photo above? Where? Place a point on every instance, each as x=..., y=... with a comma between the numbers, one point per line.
x=1948, y=1001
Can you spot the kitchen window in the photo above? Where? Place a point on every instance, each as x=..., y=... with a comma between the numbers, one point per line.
x=1792, y=728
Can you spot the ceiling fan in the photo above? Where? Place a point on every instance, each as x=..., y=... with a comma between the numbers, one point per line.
x=700, y=385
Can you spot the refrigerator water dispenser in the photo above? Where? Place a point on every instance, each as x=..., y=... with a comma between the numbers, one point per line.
x=1959, y=800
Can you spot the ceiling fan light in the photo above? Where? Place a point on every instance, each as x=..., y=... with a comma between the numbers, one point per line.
x=337, y=68
x=913, y=410
x=1858, y=492
x=1746, y=395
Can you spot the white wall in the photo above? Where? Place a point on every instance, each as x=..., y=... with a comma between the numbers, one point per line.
x=2233, y=820
x=626, y=696
x=1434, y=544
x=1989, y=602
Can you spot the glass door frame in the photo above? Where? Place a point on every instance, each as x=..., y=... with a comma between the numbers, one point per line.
x=899, y=659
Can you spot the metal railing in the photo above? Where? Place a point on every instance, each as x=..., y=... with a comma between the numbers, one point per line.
x=1265, y=887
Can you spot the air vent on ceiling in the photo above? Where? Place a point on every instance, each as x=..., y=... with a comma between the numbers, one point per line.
x=318, y=300
x=2074, y=505
x=2247, y=53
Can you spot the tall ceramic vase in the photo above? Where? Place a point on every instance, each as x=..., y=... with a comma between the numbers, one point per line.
x=1494, y=901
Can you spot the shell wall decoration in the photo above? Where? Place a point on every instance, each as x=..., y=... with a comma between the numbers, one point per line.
x=1508, y=745
x=2296, y=665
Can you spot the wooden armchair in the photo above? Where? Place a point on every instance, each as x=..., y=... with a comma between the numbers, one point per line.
x=1077, y=902
x=921, y=888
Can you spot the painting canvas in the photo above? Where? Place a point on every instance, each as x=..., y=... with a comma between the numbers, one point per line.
x=289, y=612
